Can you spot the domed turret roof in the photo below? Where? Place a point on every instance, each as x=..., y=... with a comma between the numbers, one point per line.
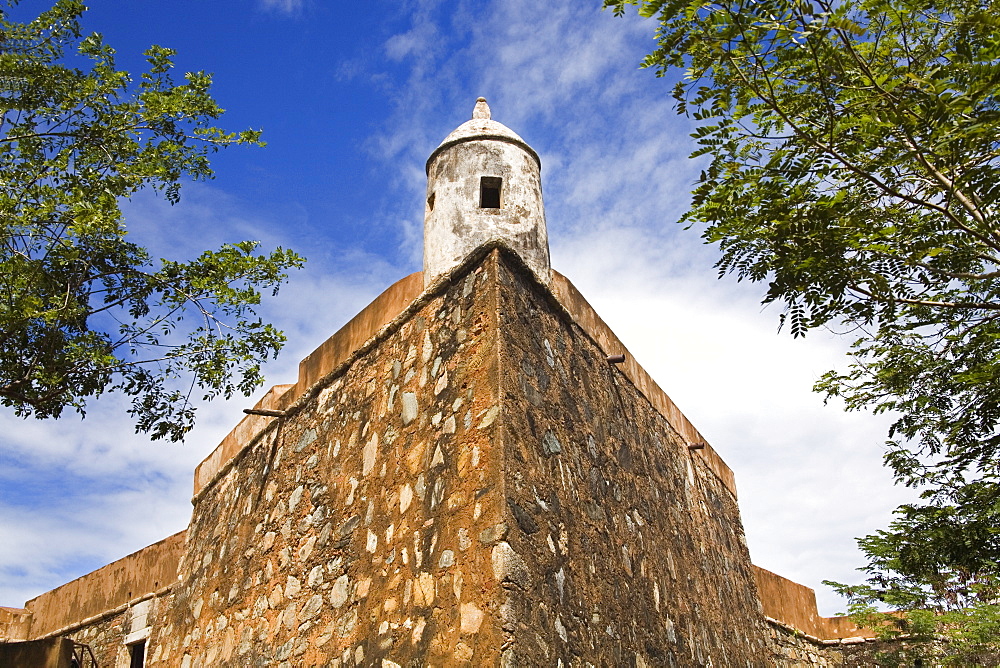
x=481, y=127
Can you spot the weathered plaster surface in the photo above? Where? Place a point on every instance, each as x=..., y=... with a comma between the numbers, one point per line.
x=15, y=624
x=795, y=605
x=109, y=588
x=48, y=653
x=454, y=222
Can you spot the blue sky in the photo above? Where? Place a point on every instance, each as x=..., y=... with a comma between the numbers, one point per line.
x=352, y=98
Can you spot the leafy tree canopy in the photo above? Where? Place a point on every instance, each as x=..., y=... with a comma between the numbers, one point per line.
x=84, y=310
x=964, y=638
x=852, y=155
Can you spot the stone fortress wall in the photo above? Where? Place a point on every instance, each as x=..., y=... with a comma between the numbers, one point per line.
x=462, y=478
x=472, y=471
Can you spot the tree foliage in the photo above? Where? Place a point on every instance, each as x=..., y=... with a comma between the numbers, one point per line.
x=936, y=567
x=852, y=155
x=84, y=310
x=963, y=637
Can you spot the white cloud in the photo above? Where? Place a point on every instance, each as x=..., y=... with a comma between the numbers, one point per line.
x=282, y=6
x=412, y=42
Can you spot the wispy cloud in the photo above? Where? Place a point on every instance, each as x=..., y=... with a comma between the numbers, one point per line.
x=282, y=6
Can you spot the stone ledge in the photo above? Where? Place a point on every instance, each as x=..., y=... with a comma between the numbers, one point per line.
x=856, y=640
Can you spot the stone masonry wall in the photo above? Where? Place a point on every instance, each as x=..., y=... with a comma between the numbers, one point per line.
x=461, y=478
x=360, y=530
x=107, y=636
x=479, y=488
x=792, y=649
x=633, y=547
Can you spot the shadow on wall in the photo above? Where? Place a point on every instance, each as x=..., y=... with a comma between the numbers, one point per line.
x=47, y=653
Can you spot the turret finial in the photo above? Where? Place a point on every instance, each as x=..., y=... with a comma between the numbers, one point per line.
x=482, y=110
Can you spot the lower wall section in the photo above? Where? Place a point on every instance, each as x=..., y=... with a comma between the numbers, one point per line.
x=111, y=638
x=106, y=638
x=112, y=587
x=791, y=649
x=48, y=653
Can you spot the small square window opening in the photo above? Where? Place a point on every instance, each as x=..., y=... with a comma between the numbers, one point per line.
x=489, y=192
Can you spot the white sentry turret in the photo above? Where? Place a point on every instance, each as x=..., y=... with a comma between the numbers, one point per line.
x=483, y=184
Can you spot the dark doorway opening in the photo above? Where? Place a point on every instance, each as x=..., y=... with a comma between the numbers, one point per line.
x=137, y=654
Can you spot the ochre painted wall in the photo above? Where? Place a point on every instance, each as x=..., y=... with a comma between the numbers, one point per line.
x=115, y=585
x=794, y=605
x=15, y=624
x=49, y=653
